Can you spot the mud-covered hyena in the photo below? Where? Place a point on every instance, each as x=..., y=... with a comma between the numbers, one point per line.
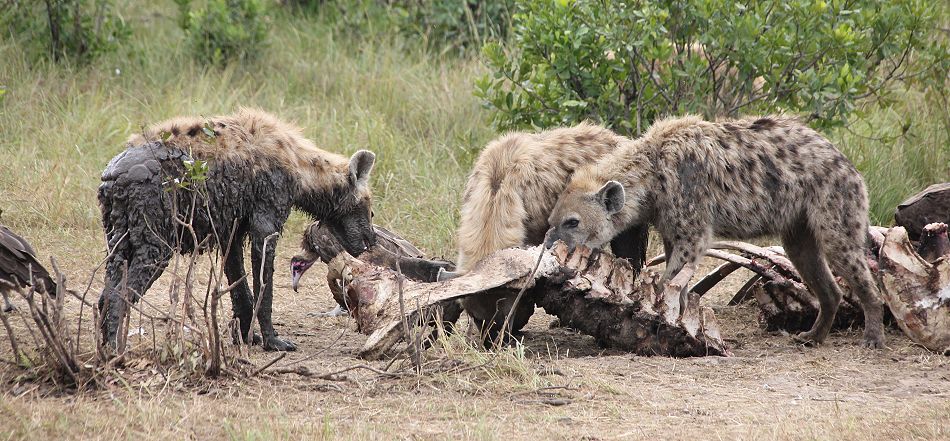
x=258, y=169
x=694, y=179
x=509, y=195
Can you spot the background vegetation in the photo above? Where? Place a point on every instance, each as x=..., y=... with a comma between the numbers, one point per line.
x=355, y=74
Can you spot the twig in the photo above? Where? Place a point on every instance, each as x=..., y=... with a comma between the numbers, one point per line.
x=304, y=371
x=269, y=364
x=92, y=276
x=342, y=333
x=6, y=324
x=413, y=352
x=514, y=305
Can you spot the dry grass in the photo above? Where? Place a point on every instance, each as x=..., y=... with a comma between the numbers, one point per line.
x=558, y=385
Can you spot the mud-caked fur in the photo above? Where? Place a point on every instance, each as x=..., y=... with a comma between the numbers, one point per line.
x=258, y=169
x=510, y=192
x=740, y=179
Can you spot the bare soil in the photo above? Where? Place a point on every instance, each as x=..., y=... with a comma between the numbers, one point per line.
x=564, y=387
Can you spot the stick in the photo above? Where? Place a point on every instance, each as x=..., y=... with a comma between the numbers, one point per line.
x=413, y=353
x=6, y=324
x=269, y=364
x=514, y=305
x=303, y=371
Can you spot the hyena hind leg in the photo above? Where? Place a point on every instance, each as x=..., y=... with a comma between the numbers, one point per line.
x=146, y=265
x=803, y=250
x=849, y=262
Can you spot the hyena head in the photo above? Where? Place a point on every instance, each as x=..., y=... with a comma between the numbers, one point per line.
x=585, y=217
x=352, y=222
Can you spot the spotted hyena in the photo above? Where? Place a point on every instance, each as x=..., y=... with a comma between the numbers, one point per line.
x=259, y=168
x=694, y=179
x=509, y=195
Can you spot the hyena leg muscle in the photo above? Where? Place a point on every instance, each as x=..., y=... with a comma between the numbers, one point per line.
x=631, y=244
x=262, y=263
x=803, y=250
x=848, y=261
x=146, y=265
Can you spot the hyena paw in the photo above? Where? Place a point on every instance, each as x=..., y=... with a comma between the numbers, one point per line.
x=873, y=341
x=809, y=338
x=275, y=343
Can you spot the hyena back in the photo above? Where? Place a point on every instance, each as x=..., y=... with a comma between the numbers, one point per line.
x=741, y=179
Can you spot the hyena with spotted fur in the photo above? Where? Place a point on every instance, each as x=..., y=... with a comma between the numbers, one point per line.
x=259, y=168
x=509, y=195
x=741, y=179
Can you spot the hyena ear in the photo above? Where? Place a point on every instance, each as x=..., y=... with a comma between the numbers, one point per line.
x=361, y=163
x=611, y=196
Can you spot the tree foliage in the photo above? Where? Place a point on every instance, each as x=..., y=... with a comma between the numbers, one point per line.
x=626, y=63
x=224, y=30
x=65, y=30
x=456, y=24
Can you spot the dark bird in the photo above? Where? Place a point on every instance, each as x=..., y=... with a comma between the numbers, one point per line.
x=19, y=267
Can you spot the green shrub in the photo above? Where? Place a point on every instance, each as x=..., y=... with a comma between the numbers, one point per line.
x=73, y=30
x=456, y=24
x=224, y=30
x=626, y=63
x=440, y=25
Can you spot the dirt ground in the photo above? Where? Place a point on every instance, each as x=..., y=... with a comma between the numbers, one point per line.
x=563, y=387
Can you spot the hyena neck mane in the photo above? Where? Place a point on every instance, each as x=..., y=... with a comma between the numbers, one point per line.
x=632, y=165
x=328, y=202
x=637, y=165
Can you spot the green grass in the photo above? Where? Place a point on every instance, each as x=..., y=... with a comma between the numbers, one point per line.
x=59, y=125
x=900, y=149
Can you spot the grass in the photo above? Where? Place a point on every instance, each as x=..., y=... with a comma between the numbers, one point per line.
x=61, y=124
x=900, y=149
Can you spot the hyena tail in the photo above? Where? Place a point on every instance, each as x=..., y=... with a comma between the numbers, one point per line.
x=492, y=218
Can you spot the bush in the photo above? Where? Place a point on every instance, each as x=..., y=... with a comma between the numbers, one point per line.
x=626, y=63
x=224, y=30
x=74, y=30
x=456, y=24
x=441, y=25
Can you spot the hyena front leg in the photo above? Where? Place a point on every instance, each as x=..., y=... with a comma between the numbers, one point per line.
x=682, y=254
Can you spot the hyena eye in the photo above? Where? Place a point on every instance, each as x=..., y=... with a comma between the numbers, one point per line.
x=372, y=214
x=570, y=223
